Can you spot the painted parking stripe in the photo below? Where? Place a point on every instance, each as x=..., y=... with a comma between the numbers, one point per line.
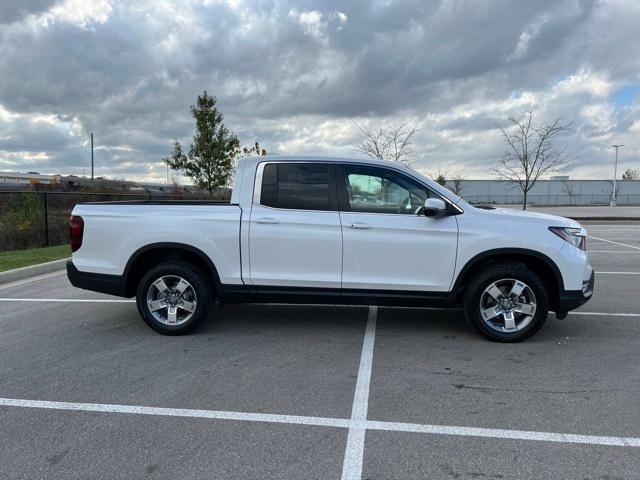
x=72, y=300
x=505, y=434
x=612, y=251
x=330, y=422
x=616, y=243
x=122, y=300
x=618, y=273
x=354, y=451
x=177, y=412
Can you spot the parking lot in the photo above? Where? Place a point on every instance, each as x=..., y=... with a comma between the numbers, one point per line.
x=302, y=392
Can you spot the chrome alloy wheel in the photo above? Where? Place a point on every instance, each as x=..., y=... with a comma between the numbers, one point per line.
x=171, y=300
x=507, y=305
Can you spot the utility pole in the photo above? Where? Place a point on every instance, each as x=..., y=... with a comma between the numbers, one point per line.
x=91, y=158
x=612, y=203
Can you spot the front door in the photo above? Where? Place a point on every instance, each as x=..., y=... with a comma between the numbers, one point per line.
x=387, y=245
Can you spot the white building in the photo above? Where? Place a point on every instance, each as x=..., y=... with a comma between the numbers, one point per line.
x=549, y=192
x=26, y=179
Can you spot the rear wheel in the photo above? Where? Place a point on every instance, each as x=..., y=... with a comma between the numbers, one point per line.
x=506, y=302
x=173, y=298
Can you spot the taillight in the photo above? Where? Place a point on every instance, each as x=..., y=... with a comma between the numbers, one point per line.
x=76, y=229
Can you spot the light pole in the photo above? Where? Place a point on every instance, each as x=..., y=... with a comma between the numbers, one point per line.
x=612, y=203
x=91, y=158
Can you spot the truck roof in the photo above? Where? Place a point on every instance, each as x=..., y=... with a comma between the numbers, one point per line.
x=320, y=158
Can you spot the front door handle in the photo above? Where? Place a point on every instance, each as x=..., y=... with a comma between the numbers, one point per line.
x=267, y=220
x=359, y=226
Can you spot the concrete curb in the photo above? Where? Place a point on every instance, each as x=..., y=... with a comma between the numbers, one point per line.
x=32, y=271
x=607, y=219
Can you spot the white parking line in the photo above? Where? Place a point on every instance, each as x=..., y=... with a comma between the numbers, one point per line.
x=507, y=434
x=618, y=273
x=177, y=412
x=617, y=238
x=616, y=243
x=606, y=314
x=354, y=451
x=611, y=251
x=330, y=422
x=72, y=300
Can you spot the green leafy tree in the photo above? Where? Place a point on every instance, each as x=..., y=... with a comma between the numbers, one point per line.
x=441, y=178
x=212, y=153
x=177, y=158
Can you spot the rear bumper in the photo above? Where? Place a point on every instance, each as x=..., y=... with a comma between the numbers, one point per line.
x=572, y=299
x=97, y=282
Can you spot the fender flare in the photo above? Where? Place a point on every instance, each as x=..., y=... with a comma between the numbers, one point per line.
x=508, y=251
x=176, y=246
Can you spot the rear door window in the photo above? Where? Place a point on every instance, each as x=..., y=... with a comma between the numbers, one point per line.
x=297, y=186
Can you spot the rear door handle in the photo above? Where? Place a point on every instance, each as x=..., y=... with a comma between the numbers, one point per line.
x=359, y=226
x=267, y=220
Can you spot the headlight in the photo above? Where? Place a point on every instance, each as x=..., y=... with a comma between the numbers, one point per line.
x=575, y=236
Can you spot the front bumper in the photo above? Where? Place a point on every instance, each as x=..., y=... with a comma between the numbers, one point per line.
x=97, y=282
x=572, y=299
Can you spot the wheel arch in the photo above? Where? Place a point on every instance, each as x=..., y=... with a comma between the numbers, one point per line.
x=154, y=253
x=537, y=262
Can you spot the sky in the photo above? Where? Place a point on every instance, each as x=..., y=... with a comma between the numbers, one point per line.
x=299, y=76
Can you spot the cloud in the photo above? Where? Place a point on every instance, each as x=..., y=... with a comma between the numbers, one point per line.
x=296, y=76
x=16, y=10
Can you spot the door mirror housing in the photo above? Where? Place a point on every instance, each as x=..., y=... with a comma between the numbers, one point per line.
x=434, y=207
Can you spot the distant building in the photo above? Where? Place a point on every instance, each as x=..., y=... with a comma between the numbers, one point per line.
x=26, y=179
x=557, y=191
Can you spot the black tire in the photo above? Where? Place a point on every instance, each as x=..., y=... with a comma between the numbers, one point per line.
x=198, y=282
x=482, y=280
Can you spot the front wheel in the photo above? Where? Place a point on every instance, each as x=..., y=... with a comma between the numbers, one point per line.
x=506, y=302
x=173, y=298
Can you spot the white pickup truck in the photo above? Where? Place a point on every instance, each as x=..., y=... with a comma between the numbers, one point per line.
x=332, y=231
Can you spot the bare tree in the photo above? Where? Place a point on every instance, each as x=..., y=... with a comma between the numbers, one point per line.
x=457, y=185
x=530, y=152
x=569, y=187
x=389, y=142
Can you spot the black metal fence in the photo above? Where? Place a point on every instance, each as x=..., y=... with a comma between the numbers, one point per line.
x=39, y=219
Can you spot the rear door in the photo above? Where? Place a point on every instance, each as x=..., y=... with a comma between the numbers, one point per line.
x=387, y=245
x=295, y=237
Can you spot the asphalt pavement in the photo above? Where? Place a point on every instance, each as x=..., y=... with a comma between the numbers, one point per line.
x=271, y=391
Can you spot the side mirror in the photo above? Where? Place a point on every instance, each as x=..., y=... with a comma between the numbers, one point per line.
x=434, y=207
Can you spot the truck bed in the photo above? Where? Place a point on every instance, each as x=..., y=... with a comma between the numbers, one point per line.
x=116, y=231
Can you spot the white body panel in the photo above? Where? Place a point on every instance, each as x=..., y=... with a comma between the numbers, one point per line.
x=398, y=252
x=296, y=248
x=113, y=233
x=484, y=230
x=319, y=249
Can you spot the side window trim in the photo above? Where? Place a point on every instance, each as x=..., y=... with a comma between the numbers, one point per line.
x=343, y=195
x=333, y=196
